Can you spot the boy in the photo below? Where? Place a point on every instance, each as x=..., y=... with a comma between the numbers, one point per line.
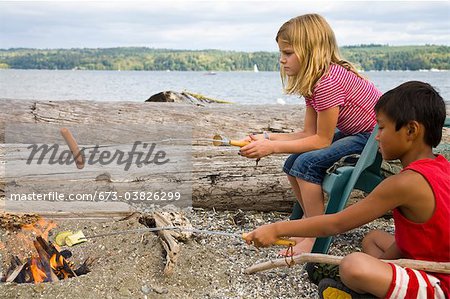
x=410, y=119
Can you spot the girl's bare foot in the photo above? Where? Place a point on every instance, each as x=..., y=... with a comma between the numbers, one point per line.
x=304, y=245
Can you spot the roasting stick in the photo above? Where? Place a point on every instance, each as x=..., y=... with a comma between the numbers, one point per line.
x=73, y=146
x=435, y=267
x=79, y=160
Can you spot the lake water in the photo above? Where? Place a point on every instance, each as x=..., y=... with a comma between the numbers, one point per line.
x=239, y=87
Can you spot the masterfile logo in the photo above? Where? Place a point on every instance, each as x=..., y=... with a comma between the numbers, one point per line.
x=141, y=153
x=122, y=163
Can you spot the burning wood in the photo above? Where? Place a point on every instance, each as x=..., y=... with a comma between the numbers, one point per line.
x=46, y=263
x=48, y=266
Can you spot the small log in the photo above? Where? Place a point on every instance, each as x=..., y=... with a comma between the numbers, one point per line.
x=435, y=267
x=84, y=268
x=11, y=276
x=45, y=259
x=51, y=250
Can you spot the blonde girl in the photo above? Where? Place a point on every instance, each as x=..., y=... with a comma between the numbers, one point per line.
x=339, y=114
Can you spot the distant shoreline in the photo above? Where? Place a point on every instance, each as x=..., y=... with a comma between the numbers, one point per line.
x=364, y=57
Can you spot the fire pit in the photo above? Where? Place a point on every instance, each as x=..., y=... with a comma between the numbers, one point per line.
x=46, y=263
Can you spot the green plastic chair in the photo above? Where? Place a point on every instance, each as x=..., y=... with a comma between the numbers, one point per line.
x=365, y=176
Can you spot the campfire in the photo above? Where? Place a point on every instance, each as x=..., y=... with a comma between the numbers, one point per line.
x=46, y=263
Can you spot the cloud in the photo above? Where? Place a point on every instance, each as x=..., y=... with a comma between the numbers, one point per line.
x=228, y=25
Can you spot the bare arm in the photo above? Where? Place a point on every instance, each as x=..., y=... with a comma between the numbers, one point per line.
x=392, y=192
x=319, y=135
x=309, y=128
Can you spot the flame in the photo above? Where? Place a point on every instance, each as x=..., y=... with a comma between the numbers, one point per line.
x=57, y=264
x=37, y=273
x=25, y=237
x=53, y=262
x=40, y=267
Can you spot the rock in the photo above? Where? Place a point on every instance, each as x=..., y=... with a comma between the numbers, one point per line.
x=183, y=97
x=146, y=289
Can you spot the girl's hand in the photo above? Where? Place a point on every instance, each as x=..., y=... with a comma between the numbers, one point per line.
x=263, y=236
x=257, y=148
x=252, y=137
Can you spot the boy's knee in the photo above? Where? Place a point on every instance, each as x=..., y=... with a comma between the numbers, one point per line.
x=369, y=241
x=352, y=266
x=373, y=242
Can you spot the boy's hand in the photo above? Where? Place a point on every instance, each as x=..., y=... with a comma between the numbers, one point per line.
x=263, y=236
x=257, y=148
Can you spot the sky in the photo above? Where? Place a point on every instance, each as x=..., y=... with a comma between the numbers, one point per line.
x=224, y=25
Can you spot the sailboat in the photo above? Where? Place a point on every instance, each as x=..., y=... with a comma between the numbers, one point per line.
x=255, y=68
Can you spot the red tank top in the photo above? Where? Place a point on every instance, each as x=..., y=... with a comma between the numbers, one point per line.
x=429, y=241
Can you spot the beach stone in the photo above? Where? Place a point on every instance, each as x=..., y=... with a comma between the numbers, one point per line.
x=146, y=289
x=184, y=97
x=176, y=97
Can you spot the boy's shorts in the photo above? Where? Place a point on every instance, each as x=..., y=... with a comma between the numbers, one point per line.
x=409, y=283
x=312, y=166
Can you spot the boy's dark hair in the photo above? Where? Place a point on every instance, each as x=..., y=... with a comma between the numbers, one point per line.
x=415, y=101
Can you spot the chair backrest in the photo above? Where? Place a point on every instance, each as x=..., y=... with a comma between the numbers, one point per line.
x=365, y=175
x=370, y=161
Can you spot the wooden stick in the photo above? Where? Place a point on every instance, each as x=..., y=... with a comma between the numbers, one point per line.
x=15, y=273
x=73, y=146
x=436, y=267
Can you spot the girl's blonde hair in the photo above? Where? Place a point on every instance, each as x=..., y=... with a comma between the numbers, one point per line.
x=315, y=45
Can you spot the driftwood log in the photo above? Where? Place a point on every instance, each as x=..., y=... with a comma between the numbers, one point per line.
x=435, y=267
x=221, y=179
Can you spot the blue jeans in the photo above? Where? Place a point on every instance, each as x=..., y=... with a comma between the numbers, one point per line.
x=311, y=166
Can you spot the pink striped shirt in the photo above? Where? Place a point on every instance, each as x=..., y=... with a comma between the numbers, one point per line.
x=355, y=97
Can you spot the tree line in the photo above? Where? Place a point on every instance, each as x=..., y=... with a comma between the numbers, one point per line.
x=365, y=57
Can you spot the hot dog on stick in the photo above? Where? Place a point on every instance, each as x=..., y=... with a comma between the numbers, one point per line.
x=73, y=146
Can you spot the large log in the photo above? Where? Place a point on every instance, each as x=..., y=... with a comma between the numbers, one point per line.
x=221, y=179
